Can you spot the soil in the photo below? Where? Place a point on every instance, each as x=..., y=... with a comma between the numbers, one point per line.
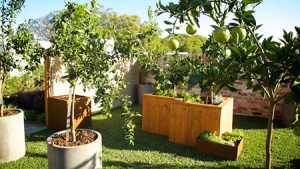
x=66, y=97
x=9, y=112
x=82, y=137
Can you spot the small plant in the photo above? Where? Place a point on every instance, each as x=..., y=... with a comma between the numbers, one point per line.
x=227, y=138
x=187, y=97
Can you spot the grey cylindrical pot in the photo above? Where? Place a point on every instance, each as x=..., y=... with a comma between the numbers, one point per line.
x=12, y=137
x=88, y=156
x=144, y=89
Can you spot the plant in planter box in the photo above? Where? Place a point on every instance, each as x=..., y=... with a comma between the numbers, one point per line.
x=15, y=46
x=169, y=72
x=218, y=72
x=228, y=146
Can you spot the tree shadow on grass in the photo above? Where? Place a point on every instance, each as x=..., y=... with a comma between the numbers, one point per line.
x=139, y=165
x=249, y=122
x=113, y=138
x=39, y=136
x=113, y=135
x=36, y=155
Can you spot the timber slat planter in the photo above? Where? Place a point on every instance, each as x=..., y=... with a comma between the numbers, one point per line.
x=182, y=121
x=57, y=113
x=156, y=114
x=190, y=119
x=223, y=151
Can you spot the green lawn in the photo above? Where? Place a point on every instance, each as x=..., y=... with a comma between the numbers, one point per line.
x=151, y=151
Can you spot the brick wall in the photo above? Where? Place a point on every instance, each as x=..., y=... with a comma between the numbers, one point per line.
x=251, y=103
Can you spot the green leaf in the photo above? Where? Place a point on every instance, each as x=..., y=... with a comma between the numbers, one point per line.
x=194, y=79
x=236, y=50
x=249, y=20
x=247, y=2
x=231, y=5
x=232, y=88
x=168, y=23
x=297, y=81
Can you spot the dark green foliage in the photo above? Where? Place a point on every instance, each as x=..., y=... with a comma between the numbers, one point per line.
x=33, y=99
x=30, y=115
x=41, y=118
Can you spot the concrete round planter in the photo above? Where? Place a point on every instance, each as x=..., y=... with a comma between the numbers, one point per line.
x=88, y=156
x=12, y=137
x=144, y=89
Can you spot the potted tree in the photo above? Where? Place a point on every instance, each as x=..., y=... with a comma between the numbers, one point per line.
x=14, y=46
x=83, y=51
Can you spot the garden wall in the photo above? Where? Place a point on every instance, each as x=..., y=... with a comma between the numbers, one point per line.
x=60, y=87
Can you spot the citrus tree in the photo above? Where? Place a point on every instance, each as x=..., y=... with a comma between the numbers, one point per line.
x=88, y=60
x=218, y=71
x=15, y=45
x=263, y=61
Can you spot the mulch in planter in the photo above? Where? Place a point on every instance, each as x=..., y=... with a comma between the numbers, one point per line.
x=10, y=112
x=82, y=137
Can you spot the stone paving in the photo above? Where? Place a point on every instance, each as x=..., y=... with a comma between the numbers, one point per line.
x=33, y=127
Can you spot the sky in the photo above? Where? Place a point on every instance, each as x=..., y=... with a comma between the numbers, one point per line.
x=275, y=15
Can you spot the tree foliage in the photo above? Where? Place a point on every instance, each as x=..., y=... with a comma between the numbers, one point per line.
x=191, y=44
x=15, y=45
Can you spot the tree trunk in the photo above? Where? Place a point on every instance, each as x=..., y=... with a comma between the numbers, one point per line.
x=72, y=116
x=212, y=94
x=69, y=114
x=269, y=134
x=1, y=95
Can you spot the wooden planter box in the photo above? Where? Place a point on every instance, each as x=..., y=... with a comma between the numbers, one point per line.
x=182, y=122
x=156, y=114
x=57, y=112
x=188, y=120
x=220, y=150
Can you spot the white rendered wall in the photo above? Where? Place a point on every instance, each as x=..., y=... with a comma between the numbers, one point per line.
x=60, y=87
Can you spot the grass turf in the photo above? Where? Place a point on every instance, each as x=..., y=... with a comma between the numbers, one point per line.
x=151, y=151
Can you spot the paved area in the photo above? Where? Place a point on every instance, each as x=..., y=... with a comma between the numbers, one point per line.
x=33, y=127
